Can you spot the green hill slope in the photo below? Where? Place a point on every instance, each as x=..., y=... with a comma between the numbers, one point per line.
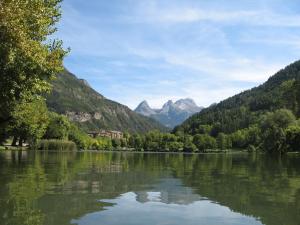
x=91, y=111
x=240, y=111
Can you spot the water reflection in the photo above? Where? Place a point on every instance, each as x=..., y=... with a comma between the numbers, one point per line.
x=127, y=210
x=117, y=188
x=169, y=191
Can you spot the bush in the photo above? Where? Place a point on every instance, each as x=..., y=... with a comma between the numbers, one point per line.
x=204, y=142
x=82, y=140
x=58, y=128
x=57, y=145
x=293, y=138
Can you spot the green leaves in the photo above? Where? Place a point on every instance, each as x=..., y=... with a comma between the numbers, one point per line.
x=29, y=120
x=28, y=58
x=58, y=128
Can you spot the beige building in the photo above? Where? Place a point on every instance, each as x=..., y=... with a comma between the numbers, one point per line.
x=106, y=133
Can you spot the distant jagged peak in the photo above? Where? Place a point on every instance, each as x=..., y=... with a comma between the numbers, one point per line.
x=172, y=113
x=186, y=101
x=144, y=109
x=144, y=103
x=188, y=104
x=169, y=105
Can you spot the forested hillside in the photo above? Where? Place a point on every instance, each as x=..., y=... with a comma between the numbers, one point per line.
x=90, y=110
x=249, y=109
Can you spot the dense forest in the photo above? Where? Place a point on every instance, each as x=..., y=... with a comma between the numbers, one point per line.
x=264, y=117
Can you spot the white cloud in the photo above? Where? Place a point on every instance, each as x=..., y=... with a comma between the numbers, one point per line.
x=153, y=12
x=275, y=39
x=174, y=52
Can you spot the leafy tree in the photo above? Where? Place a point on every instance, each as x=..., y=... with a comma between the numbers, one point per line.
x=29, y=122
x=204, y=129
x=224, y=141
x=82, y=140
x=116, y=143
x=174, y=146
x=293, y=138
x=216, y=129
x=239, y=139
x=28, y=58
x=124, y=142
x=188, y=145
x=273, y=127
x=136, y=141
x=204, y=142
x=58, y=128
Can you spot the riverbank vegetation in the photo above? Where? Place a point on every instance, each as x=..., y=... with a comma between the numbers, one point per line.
x=58, y=145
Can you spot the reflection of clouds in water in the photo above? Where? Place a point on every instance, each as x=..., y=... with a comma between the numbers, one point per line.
x=126, y=210
x=154, y=196
x=168, y=191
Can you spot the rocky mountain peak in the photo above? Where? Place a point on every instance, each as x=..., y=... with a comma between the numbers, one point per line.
x=189, y=105
x=144, y=109
x=171, y=114
x=167, y=107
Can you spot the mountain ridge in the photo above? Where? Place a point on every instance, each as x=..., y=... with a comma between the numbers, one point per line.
x=171, y=113
x=90, y=110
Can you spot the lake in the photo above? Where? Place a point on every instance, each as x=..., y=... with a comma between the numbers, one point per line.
x=90, y=188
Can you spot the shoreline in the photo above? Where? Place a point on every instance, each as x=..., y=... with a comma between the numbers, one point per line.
x=6, y=148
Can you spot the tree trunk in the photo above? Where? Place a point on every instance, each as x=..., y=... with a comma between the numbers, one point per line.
x=21, y=142
x=14, y=143
x=4, y=120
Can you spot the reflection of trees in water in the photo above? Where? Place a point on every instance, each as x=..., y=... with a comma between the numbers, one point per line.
x=22, y=192
x=54, y=188
x=254, y=185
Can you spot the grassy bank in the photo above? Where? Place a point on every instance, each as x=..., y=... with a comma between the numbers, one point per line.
x=57, y=145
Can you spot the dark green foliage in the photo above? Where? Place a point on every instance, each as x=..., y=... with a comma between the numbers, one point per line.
x=58, y=128
x=135, y=141
x=243, y=138
x=293, y=138
x=273, y=127
x=258, y=117
x=116, y=143
x=240, y=111
x=56, y=145
x=73, y=95
x=204, y=142
x=224, y=141
x=188, y=146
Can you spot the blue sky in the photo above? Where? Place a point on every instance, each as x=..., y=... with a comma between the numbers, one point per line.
x=156, y=50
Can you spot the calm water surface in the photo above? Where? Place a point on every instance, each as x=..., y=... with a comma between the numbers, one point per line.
x=148, y=189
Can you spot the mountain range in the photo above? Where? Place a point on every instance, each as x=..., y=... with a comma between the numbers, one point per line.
x=172, y=113
x=90, y=110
